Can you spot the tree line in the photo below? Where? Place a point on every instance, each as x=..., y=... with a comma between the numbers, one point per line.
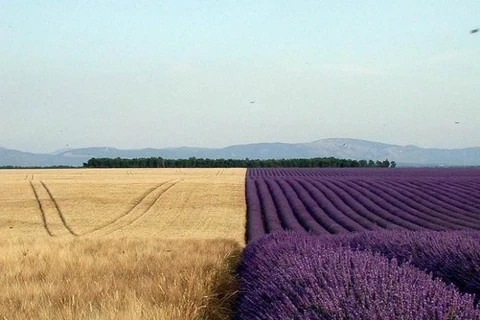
x=158, y=162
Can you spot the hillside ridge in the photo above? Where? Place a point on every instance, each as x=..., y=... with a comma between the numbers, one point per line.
x=345, y=148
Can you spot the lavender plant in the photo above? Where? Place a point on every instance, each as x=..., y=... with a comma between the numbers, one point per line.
x=296, y=276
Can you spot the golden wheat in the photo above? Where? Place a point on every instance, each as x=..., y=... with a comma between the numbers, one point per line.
x=120, y=243
x=124, y=278
x=170, y=203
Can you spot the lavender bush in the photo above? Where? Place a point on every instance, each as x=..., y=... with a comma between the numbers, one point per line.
x=296, y=276
x=452, y=256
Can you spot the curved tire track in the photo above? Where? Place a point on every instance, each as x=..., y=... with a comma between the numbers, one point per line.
x=137, y=203
x=59, y=211
x=42, y=210
x=142, y=206
x=45, y=211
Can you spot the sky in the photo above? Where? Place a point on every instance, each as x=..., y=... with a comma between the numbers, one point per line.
x=138, y=74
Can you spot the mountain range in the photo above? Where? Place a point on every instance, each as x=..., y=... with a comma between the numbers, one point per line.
x=409, y=155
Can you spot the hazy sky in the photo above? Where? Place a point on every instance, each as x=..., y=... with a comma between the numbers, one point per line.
x=135, y=74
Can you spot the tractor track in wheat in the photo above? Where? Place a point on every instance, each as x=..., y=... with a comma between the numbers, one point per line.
x=144, y=203
x=42, y=211
x=53, y=213
x=59, y=211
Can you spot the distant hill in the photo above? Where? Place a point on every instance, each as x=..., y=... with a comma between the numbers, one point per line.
x=333, y=147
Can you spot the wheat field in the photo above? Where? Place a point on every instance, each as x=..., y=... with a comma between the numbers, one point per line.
x=120, y=243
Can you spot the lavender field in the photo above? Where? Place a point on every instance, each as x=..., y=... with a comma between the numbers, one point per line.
x=335, y=201
x=361, y=244
x=288, y=275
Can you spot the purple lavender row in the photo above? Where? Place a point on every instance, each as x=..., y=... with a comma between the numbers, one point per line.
x=403, y=207
x=466, y=193
x=366, y=172
x=423, y=202
x=269, y=208
x=471, y=188
x=394, y=207
x=311, y=209
x=331, y=203
x=350, y=204
x=319, y=199
x=300, y=210
x=360, y=206
x=433, y=191
x=296, y=276
x=436, y=214
x=285, y=212
x=371, y=204
x=255, y=223
x=333, y=223
x=453, y=256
